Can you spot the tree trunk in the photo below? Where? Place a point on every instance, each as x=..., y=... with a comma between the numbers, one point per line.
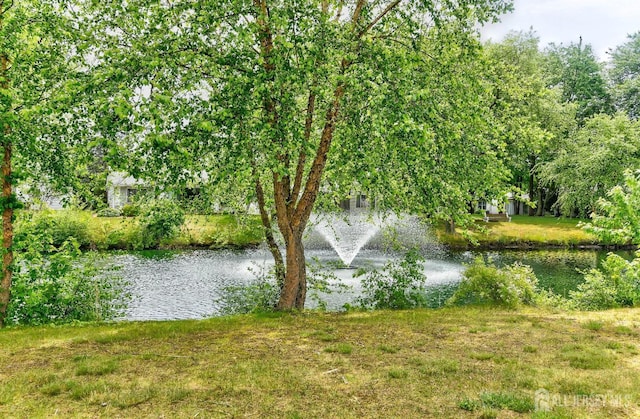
x=268, y=233
x=532, y=211
x=7, y=195
x=450, y=226
x=294, y=291
x=7, y=231
x=540, y=209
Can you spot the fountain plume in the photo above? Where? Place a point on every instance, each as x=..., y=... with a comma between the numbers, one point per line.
x=348, y=233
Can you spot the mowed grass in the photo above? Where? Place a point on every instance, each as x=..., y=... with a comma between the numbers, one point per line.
x=523, y=231
x=456, y=362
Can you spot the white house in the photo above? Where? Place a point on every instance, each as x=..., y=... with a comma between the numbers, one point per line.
x=509, y=207
x=121, y=189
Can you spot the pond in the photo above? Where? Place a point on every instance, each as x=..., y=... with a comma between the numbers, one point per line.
x=189, y=284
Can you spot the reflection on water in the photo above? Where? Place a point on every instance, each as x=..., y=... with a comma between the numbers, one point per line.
x=186, y=284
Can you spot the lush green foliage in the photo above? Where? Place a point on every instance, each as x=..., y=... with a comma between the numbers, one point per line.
x=56, y=282
x=575, y=70
x=625, y=75
x=592, y=161
x=130, y=210
x=160, y=220
x=59, y=227
x=62, y=287
x=36, y=69
x=616, y=284
x=527, y=114
x=618, y=217
x=400, y=284
x=484, y=283
x=36, y=42
x=109, y=212
x=259, y=295
x=422, y=96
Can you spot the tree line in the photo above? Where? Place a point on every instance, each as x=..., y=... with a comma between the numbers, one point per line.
x=570, y=121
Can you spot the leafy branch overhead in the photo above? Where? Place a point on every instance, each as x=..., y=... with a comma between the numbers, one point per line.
x=37, y=71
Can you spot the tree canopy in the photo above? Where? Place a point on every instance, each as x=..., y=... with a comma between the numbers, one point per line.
x=576, y=71
x=592, y=160
x=528, y=115
x=295, y=102
x=625, y=75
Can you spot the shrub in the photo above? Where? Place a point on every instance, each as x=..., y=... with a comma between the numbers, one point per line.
x=259, y=295
x=55, y=228
x=399, y=285
x=617, y=284
x=256, y=296
x=322, y=282
x=60, y=285
x=484, y=283
x=130, y=210
x=618, y=219
x=109, y=212
x=160, y=220
x=262, y=292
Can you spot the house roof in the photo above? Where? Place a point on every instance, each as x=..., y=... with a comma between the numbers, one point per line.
x=122, y=179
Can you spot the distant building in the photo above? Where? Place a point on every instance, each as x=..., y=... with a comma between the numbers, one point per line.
x=40, y=197
x=121, y=189
x=356, y=201
x=510, y=207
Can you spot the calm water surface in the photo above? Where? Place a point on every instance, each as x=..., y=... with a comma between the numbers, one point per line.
x=186, y=284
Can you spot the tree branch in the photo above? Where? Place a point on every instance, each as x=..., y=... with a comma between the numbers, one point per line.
x=357, y=12
x=339, y=12
x=269, y=106
x=308, y=124
x=268, y=232
x=4, y=9
x=303, y=210
x=325, y=6
x=389, y=8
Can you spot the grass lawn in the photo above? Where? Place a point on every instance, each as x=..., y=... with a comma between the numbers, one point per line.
x=523, y=231
x=213, y=231
x=458, y=362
